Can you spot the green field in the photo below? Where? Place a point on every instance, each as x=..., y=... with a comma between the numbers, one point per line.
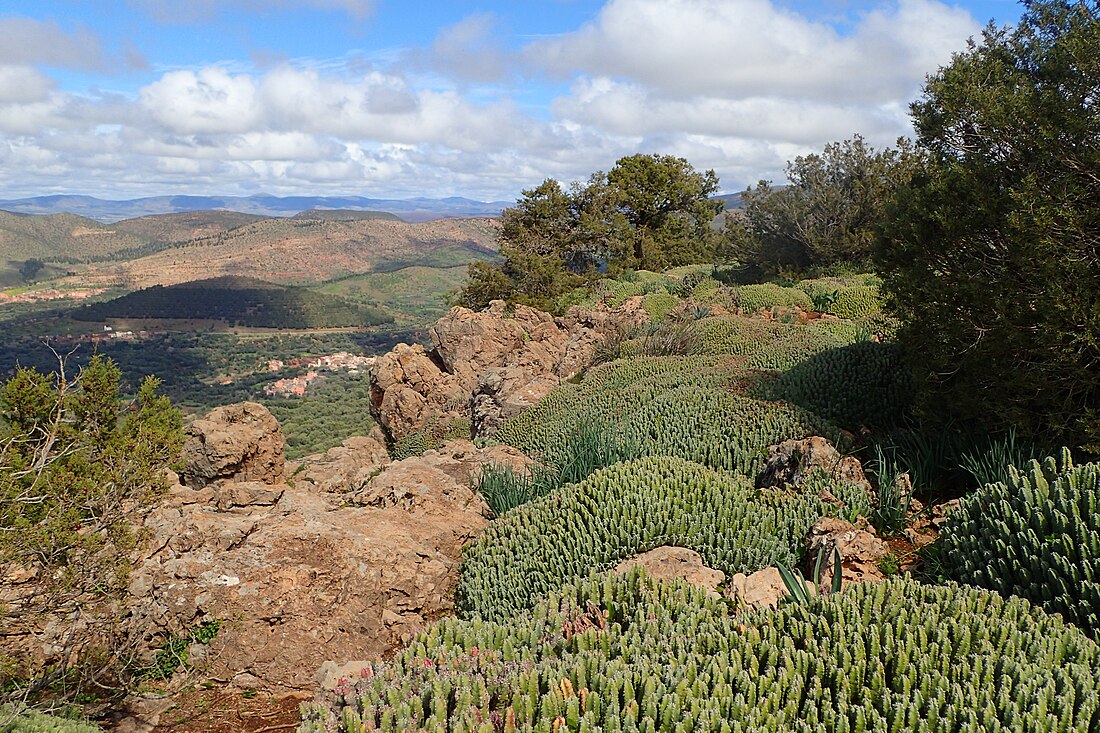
x=417, y=292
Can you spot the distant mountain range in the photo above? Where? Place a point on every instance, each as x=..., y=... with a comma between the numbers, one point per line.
x=310, y=247
x=412, y=210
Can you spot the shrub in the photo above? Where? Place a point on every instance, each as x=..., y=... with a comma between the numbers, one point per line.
x=794, y=345
x=13, y=720
x=718, y=428
x=861, y=385
x=634, y=654
x=769, y=295
x=590, y=447
x=631, y=508
x=1036, y=535
x=675, y=338
x=414, y=443
x=437, y=431
x=682, y=406
x=991, y=462
x=607, y=393
x=893, y=504
x=768, y=344
x=991, y=255
x=860, y=301
x=616, y=292
x=734, y=335
x=659, y=304
x=505, y=487
x=76, y=464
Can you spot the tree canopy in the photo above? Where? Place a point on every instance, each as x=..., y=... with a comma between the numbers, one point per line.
x=828, y=212
x=649, y=212
x=991, y=254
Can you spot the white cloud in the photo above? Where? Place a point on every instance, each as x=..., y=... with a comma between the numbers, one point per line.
x=208, y=101
x=719, y=77
x=736, y=48
x=470, y=51
x=630, y=109
x=23, y=84
x=740, y=86
x=29, y=41
x=375, y=107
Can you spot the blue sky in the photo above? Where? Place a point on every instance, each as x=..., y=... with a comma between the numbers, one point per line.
x=477, y=98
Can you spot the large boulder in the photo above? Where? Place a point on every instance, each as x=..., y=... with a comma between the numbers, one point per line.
x=675, y=563
x=240, y=442
x=485, y=367
x=763, y=589
x=504, y=392
x=861, y=550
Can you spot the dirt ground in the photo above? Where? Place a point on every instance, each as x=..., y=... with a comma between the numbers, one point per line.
x=220, y=711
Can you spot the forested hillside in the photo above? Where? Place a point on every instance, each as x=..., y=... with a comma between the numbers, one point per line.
x=237, y=301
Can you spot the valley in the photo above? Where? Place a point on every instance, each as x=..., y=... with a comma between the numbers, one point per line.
x=204, y=300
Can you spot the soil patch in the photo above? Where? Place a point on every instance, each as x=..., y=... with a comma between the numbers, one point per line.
x=223, y=711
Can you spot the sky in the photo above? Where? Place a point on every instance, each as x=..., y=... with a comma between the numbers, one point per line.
x=476, y=98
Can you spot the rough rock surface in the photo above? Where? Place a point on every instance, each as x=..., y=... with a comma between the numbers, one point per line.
x=861, y=550
x=445, y=473
x=242, y=441
x=485, y=367
x=792, y=461
x=347, y=467
x=305, y=572
x=762, y=589
x=331, y=674
x=671, y=563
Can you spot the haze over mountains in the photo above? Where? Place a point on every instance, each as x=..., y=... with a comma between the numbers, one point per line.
x=415, y=209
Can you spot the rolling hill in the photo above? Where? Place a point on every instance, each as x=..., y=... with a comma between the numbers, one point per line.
x=304, y=251
x=60, y=238
x=418, y=292
x=345, y=215
x=183, y=226
x=239, y=301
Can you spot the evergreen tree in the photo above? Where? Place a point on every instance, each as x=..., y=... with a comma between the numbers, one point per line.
x=992, y=254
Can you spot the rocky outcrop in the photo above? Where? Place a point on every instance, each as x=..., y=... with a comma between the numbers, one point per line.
x=347, y=467
x=344, y=559
x=485, y=367
x=241, y=442
x=350, y=558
